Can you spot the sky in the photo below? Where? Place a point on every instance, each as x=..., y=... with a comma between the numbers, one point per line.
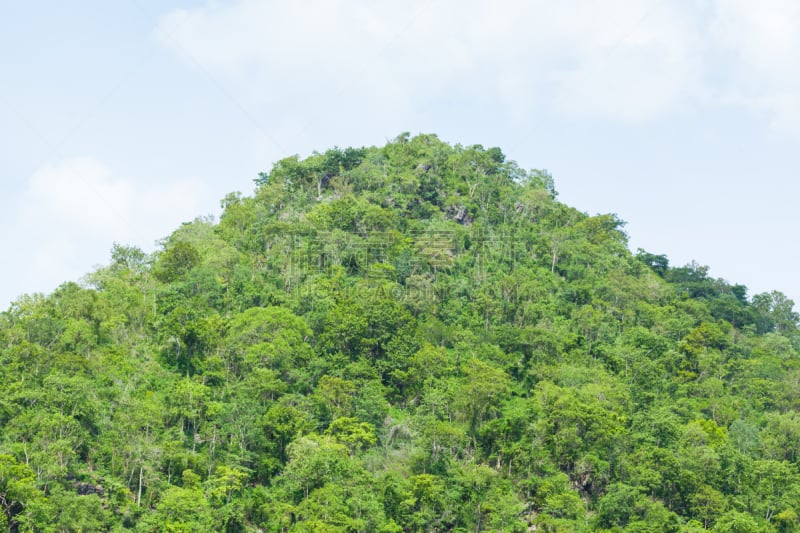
x=121, y=120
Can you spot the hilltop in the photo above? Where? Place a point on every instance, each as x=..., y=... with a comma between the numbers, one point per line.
x=417, y=337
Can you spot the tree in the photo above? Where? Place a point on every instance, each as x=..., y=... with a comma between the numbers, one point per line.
x=414, y=337
x=176, y=261
x=658, y=263
x=775, y=311
x=17, y=492
x=737, y=522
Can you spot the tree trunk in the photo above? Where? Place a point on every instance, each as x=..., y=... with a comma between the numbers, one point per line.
x=139, y=494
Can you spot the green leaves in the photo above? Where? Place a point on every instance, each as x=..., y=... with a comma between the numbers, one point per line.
x=176, y=261
x=412, y=338
x=17, y=491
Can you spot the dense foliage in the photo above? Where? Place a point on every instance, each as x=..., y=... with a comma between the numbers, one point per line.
x=412, y=338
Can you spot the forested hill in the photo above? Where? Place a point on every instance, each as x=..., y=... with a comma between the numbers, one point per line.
x=410, y=338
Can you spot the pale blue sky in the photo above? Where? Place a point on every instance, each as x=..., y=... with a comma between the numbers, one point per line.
x=122, y=119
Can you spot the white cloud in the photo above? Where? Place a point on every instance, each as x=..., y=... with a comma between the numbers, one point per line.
x=74, y=210
x=627, y=60
x=624, y=58
x=81, y=198
x=764, y=39
x=80, y=193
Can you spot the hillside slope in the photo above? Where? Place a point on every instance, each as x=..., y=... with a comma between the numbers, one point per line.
x=412, y=338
